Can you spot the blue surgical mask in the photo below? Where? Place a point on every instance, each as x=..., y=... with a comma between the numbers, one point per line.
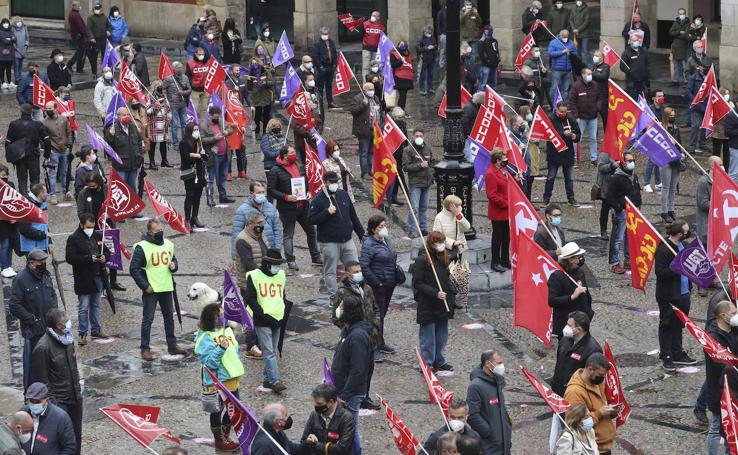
x=587, y=424
x=630, y=166
x=260, y=198
x=357, y=277
x=556, y=220
x=36, y=408
x=529, y=117
x=221, y=321
x=274, y=269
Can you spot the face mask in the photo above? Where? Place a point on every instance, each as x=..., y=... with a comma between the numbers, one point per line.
x=260, y=198
x=266, y=34
x=6, y=25
x=324, y=37
x=311, y=84
x=321, y=409
x=373, y=19
x=370, y=93
x=88, y=231
x=97, y=11
x=375, y=69
x=596, y=59
x=24, y=437
x=534, y=10
x=559, y=5
x=681, y=17
x=672, y=119
x=561, y=115
x=258, y=229
x=418, y=141
x=587, y=424
x=597, y=380
x=660, y=100
x=499, y=369
x=630, y=166
x=200, y=57
x=402, y=47
x=221, y=321
x=440, y=247
x=588, y=78
x=357, y=277
x=68, y=326
x=468, y=50
x=339, y=312
x=41, y=268
x=336, y=154
x=456, y=425
x=427, y=35
x=699, y=51
x=579, y=3
x=59, y=58
x=309, y=65
x=384, y=232
x=556, y=220
x=291, y=159
x=195, y=135
x=135, y=105
x=108, y=75
x=697, y=22
x=636, y=44
x=259, y=51
x=276, y=130
x=50, y=113
x=568, y=332
x=734, y=320
x=528, y=117
x=288, y=423
x=332, y=187
x=36, y=408
x=726, y=97
x=504, y=163
x=159, y=236
x=126, y=120
x=211, y=36
x=564, y=40
x=537, y=54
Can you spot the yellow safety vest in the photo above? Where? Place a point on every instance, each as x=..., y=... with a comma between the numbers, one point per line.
x=157, y=264
x=269, y=292
x=230, y=360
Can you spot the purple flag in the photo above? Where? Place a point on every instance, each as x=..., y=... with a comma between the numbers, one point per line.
x=389, y=78
x=557, y=98
x=320, y=142
x=477, y=154
x=112, y=243
x=384, y=49
x=290, y=85
x=645, y=120
x=283, y=52
x=192, y=114
x=110, y=58
x=243, y=421
x=233, y=308
x=694, y=263
x=214, y=101
x=98, y=143
x=116, y=102
x=327, y=377
x=657, y=146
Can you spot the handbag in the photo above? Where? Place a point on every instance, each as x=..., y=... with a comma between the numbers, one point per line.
x=399, y=275
x=595, y=193
x=187, y=174
x=210, y=400
x=16, y=150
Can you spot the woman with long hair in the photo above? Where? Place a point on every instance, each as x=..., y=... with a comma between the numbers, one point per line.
x=231, y=39
x=88, y=163
x=579, y=438
x=192, y=172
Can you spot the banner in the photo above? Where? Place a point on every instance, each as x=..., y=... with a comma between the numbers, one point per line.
x=642, y=243
x=694, y=263
x=15, y=207
x=342, y=82
x=480, y=157
x=384, y=50
x=98, y=143
x=164, y=209
x=327, y=377
x=42, y=94
x=555, y=402
x=657, y=145
x=385, y=167
x=243, y=421
x=717, y=352
x=121, y=202
x=733, y=277
x=300, y=110
x=507, y=142
x=215, y=76
x=486, y=129
x=314, y=171
x=290, y=85
x=523, y=219
x=233, y=307
x=112, y=243
x=541, y=128
x=404, y=438
x=129, y=84
x=436, y=392
x=283, y=53
x=614, y=389
x=165, y=67
x=392, y=134
x=722, y=225
x=192, y=114
x=465, y=98
x=526, y=49
x=623, y=115
x=349, y=21
x=139, y=422
x=111, y=113
x=495, y=103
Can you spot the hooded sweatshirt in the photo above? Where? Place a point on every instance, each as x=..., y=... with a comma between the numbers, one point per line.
x=579, y=391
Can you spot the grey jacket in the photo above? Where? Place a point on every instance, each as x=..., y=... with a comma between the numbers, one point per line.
x=704, y=190
x=172, y=88
x=21, y=41
x=605, y=167
x=418, y=177
x=579, y=20
x=487, y=412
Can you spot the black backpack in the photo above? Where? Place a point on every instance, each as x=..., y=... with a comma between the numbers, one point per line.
x=16, y=150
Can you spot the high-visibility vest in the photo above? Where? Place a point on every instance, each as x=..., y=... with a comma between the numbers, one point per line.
x=269, y=292
x=230, y=360
x=157, y=264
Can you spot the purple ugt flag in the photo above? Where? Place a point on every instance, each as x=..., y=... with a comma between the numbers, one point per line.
x=233, y=308
x=112, y=243
x=290, y=85
x=327, y=377
x=283, y=52
x=243, y=421
x=694, y=263
x=192, y=114
x=656, y=144
x=98, y=143
x=116, y=102
x=110, y=58
x=480, y=156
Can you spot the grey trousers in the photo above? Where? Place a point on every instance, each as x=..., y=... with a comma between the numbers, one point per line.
x=669, y=181
x=332, y=253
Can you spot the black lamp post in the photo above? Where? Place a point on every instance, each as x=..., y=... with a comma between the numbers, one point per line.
x=454, y=174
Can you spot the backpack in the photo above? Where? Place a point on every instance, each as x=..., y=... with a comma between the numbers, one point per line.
x=16, y=150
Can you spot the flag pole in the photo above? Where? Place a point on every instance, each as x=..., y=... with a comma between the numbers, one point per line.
x=105, y=224
x=287, y=131
x=431, y=389
x=663, y=240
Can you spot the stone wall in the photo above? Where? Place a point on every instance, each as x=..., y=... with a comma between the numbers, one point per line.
x=406, y=19
x=506, y=18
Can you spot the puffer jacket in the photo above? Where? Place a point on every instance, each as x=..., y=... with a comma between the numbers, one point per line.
x=578, y=391
x=118, y=29
x=55, y=433
x=272, y=224
x=31, y=297
x=560, y=61
x=378, y=262
x=193, y=38
x=453, y=227
x=488, y=414
x=126, y=145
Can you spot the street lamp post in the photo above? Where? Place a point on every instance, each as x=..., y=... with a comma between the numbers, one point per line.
x=453, y=173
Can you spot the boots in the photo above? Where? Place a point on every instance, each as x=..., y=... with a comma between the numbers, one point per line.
x=221, y=443
x=227, y=436
x=195, y=223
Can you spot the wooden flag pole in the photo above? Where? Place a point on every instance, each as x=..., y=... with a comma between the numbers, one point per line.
x=663, y=240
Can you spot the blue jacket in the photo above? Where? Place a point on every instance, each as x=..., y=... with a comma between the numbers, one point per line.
x=33, y=235
x=31, y=298
x=24, y=94
x=559, y=60
x=272, y=224
x=210, y=355
x=55, y=434
x=211, y=49
x=270, y=145
x=693, y=86
x=336, y=227
x=118, y=30
x=378, y=262
x=194, y=37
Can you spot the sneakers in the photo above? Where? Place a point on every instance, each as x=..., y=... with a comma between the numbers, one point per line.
x=617, y=269
x=387, y=349
x=276, y=387
x=242, y=175
x=684, y=359
x=422, y=93
x=668, y=365
x=658, y=187
x=8, y=272
x=4, y=86
x=701, y=416
x=147, y=356
x=54, y=200
x=647, y=189
x=12, y=86
x=69, y=197
x=165, y=164
x=254, y=353
x=604, y=236
x=667, y=219
x=226, y=200
x=573, y=202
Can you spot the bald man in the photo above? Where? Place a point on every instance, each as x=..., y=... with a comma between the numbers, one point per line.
x=124, y=138
x=275, y=420
x=21, y=424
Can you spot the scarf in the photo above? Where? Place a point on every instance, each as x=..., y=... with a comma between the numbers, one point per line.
x=66, y=338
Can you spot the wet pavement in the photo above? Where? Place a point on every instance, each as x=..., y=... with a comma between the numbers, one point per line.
x=113, y=372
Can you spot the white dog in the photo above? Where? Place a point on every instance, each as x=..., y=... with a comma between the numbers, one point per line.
x=201, y=295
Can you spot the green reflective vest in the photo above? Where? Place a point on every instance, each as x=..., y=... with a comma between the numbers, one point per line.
x=230, y=360
x=269, y=292
x=157, y=264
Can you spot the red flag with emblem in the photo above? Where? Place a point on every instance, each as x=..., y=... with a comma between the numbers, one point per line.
x=523, y=219
x=436, y=392
x=121, y=202
x=716, y=109
x=129, y=84
x=717, y=352
x=300, y=110
x=465, y=98
x=392, y=135
x=506, y=141
x=622, y=118
x=139, y=422
x=349, y=21
x=486, y=128
x=722, y=224
x=542, y=128
x=704, y=90
x=385, y=166
x=538, y=23
x=611, y=57
x=165, y=67
x=733, y=277
x=234, y=113
x=314, y=170
x=530, y=288
x=215, y=76
x=42, y=94
x=526, y=49
x=729, y=417
x=555, y=402
x=614, y=389
x=703, y=40
x=342, y=82
x=642, y=243
x=404, y=438
x=164, y=209
x=15, y=207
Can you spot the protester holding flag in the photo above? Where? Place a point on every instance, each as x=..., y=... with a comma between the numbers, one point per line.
x=529, y=91
x=697, y=139
x=104, y=91
x=125, y=139
x=578, y=418
x=698, y=57
x=159, y=123
x=552, y=220
x=334, y=163
x=140, y=115
x=403, y=71
x=33, y=234
x=364, y=107
x=720, y=144
x=24, y=93
x=302, y=133
x=634, y=63
x=567, y=289
x=214, y=140
x=567, y=128
x=193, y=159
x=601, y=74
x=217, y=348
x=496, y=180
x=418, y=162
x=605, y=168
x=260, y=87
x=330, y=427
x=370, y=40
x=488, y=414
x=623, y=183
x=197, y=72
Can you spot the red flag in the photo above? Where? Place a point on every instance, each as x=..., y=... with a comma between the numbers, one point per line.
x=525, y=50
x=42, y=94
x=636, y=10
x=216, y=75
x=705, y=87
x=541, y=128
x=126, y=252
x=139, y=422
x=722, y=226
x=234, y=113
x=392, y=135
x=314, y=170
x=530, y=287
x=523, y=219
x=164, y=209
x=555, y=402
x=385, y=166
x=611, y=57
x=165, y=67
x=506, y=141
x=342, y=82
x=300, y=110
x=729, y=417
x=465, y=98
x=486, y=128
x=733, y=277
x=538, y=23
x=494, y=102
x=404, y=438
x=622, y=118
x=129, y=84
x=717, y=352
x=642, y=243
x=121, y=202
x=614, y=389
x=349, y=21
x=703, y=40
x=717, y=108
x=436, y=392
x=15, y=207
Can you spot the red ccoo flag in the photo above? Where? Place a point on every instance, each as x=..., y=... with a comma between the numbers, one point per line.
x=404, y=438
x=722, y=225
x=300, y=110
x=436, y=392
x=523, y=219
x=165, y=67
x=385, y=166
x=729, y=417
x=392, y=135
x=611, y=57
x=215, y=76
x=42, y=94
x=614, y=389
x=342, y=82
x=717, y=352
x=622, y=118
x=494, y=102
x=314, y=170
x=716, y=109
x=164, y=209
x=506, y=141
x=139, y=422
x=121, y=202
x=733, y=277
x=555, y=402
x=525, y=50
x=705, y=87
x=486, y=128
x=465, y=98
x=15, y=207
x=349, y=21
x=642, y=242
x=541, y=128
x=129, y=84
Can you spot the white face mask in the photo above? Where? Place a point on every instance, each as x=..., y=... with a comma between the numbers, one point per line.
x=59, y=58
x=266, y=34
x=636, y=44
x=568, y=332
x=116, y=14
x=210, y=36
x=332, y=187
x=697, y=22
x=564, y=40
x=195, y=135
x=373, y=19
x=311, y=83
x=375, y=69
x=200, y=57
x=588, y=78
x=468, y=50
x=596, y=59
x=537, y=54
x=499, y=369
x=370, y=93
x=418, y=141
x=88, y=231
x=384, y=232
x=336, y=154
x=726, y=97
x=559, y=5
x=25, y=437
x=534, y=10
x=19, y=24
x=108, y=75
x=456, y=425
x=734, y=320
x=579, y=3
x=440, y=247
x=339, y=312
x=324, y=37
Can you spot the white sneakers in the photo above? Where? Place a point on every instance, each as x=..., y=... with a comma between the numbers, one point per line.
x=658, y=187
x=4, y=86
x=647, y=189
x=8, y=273
x=12, y=86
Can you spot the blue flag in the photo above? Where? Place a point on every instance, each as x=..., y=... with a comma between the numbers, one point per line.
x=290, y=85
x=192, y=114
x=116, y=102
x=243, y=421
x=233, y=308
x=283, y=52
x=110, y=58
x=480, y=156
x=694, y=263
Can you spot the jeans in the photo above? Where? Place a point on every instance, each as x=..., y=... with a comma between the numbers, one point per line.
x=651, y=169
x=221, y=171
x=680, y=70
x=487, y=76
x=733, y=168
x=74, y=411
x=418, y=202
x=426, y=74
x=713, y=436
x=149, y=311
x=383, y=296
x=268, y=340
x=617, y=239
x=670, y=327
x=289, y=218
x=131, y=178
x=589, y=128
x=433, y=337
x=696, y=135
x=354, y=405
x=179, y=121
x=89, y=310
x=670, y=180
x=366, y=155
x=325, y=83
x=562, y=81
x=553, y=170
x=700, y=403
x=59, y=161
x=18, y=68
x=6, y=254
x=442, y=50
x=332, y=253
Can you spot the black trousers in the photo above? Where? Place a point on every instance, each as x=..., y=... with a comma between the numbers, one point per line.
x=604, y=212
x=80, y=53
x=402, y=98
x=96, y=48
x=74, y=410
x=670, y=327
x=501, y=243
x=289, y=218
x=400, y=174
x=262, y=114
x=193, y=194
x=28, y=168
x=162, y=151
x=720, y=147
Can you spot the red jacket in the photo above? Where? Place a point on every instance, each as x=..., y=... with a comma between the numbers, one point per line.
x=495, y=185
x=371, y=35
x=405, y=70
x=77, y=25
x=198, y=72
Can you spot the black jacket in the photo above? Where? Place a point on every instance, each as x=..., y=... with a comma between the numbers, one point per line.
x=56, y=431
x=542, y=238
x=34, y=132
x=127, y=146
x=668, y=283
x=90, y=201
x=714, y=300
x=714, y=370
x=425, y=290
x=619, y=185
x=488, y=414
x=646, y=34
x=637, y=64
x=58, y=74
x=540, y=35
x=79, y=252
x=187, y=162
x=250, y=298
x=441, y=20
x=570, y=357
x=336, y=227
x=566, y=157
x=320, y=54
x=731, y=130
x=279, y=185
x=31, y=297
x=351, y=362
x=560, y=289
x=468, y=117
x=489, y=52
x=142, y=69
x=601, y=74
x=138, y=263
x=55, y=365
x=339, y=432
x=262, y=445
x=431, y=444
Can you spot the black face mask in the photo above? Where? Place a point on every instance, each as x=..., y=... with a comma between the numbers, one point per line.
x=688, y=234
x=288, y=422
x=159, y=236
x=214, y=120
x=276, y=130
x=40, y=269
x=597, y=380
x=51, y=113
x=504, y=163
x=321, y=409
x=259, y=229
x=581, y=261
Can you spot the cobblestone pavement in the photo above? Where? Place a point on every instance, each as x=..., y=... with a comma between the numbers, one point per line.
x=662, y=420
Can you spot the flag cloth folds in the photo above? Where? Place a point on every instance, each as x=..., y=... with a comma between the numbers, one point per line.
x=385, y=166
x=656, y=144
x=622, y=117
x=139, y=422
x=98, y=143
x=712, y=348
x=709, y=82
x=642, y=243
x=703, y=41
x=121, y=202
x=722, y=225
x=42, y=94
x=614, y=389
x=327, y=376
x=733, y=277
x=495, y=103
x=321, y=144
x=350, y=22
x=404, y=438
x=541, y=128
x=526, y=49
x=480, y=156
x=243, y=421
x=507, y=142
x=557, y=98
x=392, y=134
x=110, y=57
x=111, y=113
x=342, y=82
x=192, y=114
x=611, y=56
x=436, y=392
x=290, y=85
x=164, y=209
x=300, y=110
x=465, y=98
x=165, y=67
x=555, y=402
x=694, y=263
x=716, y=109
x=729, y=417
x=384, y=49
x=112, y=243
x=215, y=76
x=233, y=308
x=523, y=219
x=283, y=52
x=15, y=207
x=314, y=171
x=486, y=129
x=129, y=84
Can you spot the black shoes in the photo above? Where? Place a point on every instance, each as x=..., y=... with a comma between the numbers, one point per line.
x=701, y=416
x=194, y=222
x=684, y=359
x=367, y=403
x=117, y=287
x=498, y=268
x=226, y=200
x=604, y=236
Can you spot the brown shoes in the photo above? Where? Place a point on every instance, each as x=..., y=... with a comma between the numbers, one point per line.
x=147, y=356
x=82, y=340
x=97, y=335
x=178, y=351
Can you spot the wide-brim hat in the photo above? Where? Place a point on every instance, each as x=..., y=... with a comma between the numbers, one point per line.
x=570, y=250
x=273, y=257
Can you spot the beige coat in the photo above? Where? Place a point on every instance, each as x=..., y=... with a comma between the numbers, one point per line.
x=567, y=446
x=453, y=228
x=330, y=165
